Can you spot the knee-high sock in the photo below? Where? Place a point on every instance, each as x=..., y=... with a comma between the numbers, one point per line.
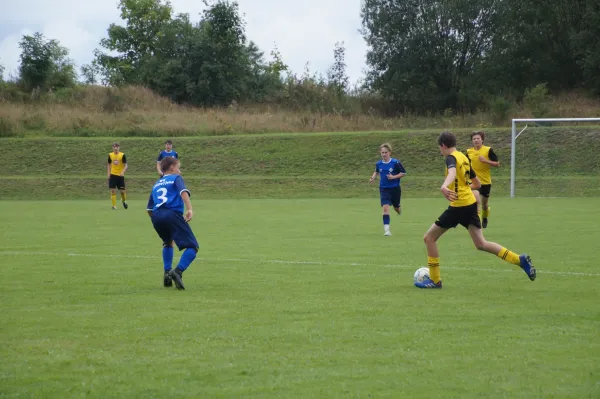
x=186, y=259
x=167, y=255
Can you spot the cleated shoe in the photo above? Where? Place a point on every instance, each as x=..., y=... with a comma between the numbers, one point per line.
x=177, y=279
x=428, y=283
x=527, y=266
x=125, y=205
x=484, y=223
x=387, y=233
x=167, y=280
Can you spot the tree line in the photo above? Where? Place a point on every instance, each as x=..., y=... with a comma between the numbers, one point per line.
x=423, y=56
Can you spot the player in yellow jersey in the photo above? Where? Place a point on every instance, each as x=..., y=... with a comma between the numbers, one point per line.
x=457, y=188
x=115, y=170
x=482, y=159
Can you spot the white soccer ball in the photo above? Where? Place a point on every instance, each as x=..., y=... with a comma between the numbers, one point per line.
x=421, y=274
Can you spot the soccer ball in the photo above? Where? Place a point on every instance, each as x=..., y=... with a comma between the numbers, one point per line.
x=421, y=274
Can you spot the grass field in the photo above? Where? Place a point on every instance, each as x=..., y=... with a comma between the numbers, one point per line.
x=298, y=298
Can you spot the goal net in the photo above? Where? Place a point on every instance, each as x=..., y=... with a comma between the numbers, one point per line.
x=555, y=157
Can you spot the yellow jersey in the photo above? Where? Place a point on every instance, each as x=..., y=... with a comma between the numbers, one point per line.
x=117, y=163
x=481, y=168
x=464, y=174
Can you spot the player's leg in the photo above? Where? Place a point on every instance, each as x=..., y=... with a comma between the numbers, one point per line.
x=485, y=212
x=186, y=241
x=163, y=228
x=523, y=261
x=112, y=185
x=167, y=255
x=396, y=195
x=123, y=191
x=477, y=195
x=433, y=256
x=385, y=200
x=447, y=220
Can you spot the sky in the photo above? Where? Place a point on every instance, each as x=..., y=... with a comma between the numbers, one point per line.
x=303, y=31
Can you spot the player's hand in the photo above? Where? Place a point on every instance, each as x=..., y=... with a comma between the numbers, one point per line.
x=122, y=174
x=390, y=176
x=449, y=194
x=482, y=159
x=188, y=215
x=371, y=179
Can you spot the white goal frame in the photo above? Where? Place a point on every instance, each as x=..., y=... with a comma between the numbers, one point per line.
x=514, y=136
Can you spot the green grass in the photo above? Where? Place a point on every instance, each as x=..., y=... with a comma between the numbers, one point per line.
x=551, y=161
x=298, y=298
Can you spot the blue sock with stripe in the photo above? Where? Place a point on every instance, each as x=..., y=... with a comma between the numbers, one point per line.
x=386, y=219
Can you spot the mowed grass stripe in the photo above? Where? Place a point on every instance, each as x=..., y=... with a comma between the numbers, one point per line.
x=291, y=262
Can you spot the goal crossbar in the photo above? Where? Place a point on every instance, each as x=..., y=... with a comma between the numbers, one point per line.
x=514, y=136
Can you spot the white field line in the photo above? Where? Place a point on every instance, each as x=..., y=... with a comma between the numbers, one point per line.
x=158, y=258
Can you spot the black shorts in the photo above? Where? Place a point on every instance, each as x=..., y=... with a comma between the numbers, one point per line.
x=390, y=196
x=485, y=190
x=464, y=215
x=115, y=181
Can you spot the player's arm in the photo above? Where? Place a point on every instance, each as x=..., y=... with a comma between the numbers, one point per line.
x=185, y=196
x=189, y=213
x=451, y=165
x=374, y=175
x=108, y=167
x=475, y=182
x=158, y=163
x=126, y=165
x=150, y=205
x=400, y=172
x=494, y=161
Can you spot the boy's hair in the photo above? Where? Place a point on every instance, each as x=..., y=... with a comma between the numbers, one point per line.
x=448, y=139
x=169, y=142
x=386, y=145
x=115, y=144
x=167, y=162
x=478, y=133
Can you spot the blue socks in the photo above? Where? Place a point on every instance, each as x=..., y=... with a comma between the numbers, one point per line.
x=167, y=258
x=386, y=219
x=186, y=259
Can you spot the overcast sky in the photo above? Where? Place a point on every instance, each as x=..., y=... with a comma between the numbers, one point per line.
x=304, y=31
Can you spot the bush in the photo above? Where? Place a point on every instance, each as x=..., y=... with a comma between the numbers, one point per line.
x=536, y=100
x=500, y=109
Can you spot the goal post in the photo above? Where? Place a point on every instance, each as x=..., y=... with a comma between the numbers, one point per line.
x=515, y=135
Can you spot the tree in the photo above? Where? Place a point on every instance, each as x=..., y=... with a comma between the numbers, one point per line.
x=135, y=42
x=44, y=63
x=221, y=63
x=338, y=79
x=423, y=53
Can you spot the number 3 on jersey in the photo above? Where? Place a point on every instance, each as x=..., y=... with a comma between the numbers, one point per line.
x=163, y=196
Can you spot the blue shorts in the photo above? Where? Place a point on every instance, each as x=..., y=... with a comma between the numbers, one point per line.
x=390, y=196
x=171, y=226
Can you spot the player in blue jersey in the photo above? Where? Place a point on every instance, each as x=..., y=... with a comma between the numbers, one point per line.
x=390, y=171
x=167, y=152
x=166, y=209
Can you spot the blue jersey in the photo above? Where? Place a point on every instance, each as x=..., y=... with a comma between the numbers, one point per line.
x=164, y=154
x=384, y=168
x=166, y=194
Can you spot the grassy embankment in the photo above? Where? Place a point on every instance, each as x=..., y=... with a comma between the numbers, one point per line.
x=135, y=112
x=551, y=161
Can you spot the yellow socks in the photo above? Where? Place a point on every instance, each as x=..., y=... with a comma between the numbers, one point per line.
x=486, y=213
x=509, y=256
x=434, y=269
x=123, y=196
x=113, y=199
